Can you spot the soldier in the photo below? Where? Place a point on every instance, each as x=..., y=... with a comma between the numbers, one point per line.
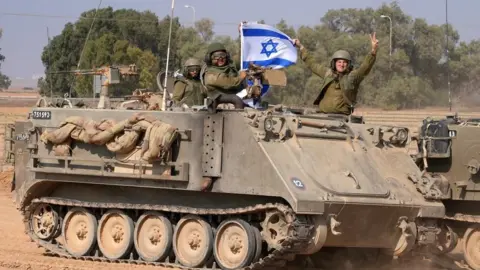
x=338, y=92
x=221, y=78
x=187, y=88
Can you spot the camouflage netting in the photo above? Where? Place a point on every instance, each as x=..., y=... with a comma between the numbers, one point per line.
x=119, y=138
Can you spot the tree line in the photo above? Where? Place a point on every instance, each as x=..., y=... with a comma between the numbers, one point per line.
x=414, y=76
x=5, y=82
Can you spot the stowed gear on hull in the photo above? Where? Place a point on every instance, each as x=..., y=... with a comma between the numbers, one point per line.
x=293, y=181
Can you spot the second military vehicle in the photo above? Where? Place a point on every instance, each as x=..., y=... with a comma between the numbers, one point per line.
x=449, y=148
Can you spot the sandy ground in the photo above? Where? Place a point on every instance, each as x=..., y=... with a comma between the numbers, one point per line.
x=19, y=94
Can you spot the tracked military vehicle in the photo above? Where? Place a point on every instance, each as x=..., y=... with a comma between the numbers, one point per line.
x=450, y=148
x=206, y=188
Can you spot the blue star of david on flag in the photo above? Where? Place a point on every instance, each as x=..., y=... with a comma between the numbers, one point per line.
x=265, y=46
x=273, y=47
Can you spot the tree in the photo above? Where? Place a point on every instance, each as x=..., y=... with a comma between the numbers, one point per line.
x=5, y=82
x=413, y=76
x=108, y=43
x=205, y=28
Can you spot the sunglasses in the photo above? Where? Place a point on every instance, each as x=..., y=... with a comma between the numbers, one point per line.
x=191, y=69
x=218, y=55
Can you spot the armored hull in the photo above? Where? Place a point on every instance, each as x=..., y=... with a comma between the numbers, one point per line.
x=449, y=148
x=232, y=189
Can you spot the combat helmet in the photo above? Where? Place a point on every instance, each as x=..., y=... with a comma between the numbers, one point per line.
x=341, y=54
x=191, y=62
x=216, y=46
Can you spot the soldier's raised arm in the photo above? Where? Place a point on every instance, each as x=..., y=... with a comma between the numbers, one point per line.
x=225, y=82
x=318, y=69
x=367, y=64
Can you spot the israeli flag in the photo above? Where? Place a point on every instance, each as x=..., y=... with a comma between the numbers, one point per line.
x=265, y=46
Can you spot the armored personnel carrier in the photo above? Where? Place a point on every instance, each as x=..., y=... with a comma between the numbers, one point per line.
x=203, y=187
x=450, y=148
x=230, y=189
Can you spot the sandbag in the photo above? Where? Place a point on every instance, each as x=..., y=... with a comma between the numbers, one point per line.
x=105, y=124
x=59, y=135
x=121, y=137
x=124, y=143
x=160, y=138
x=63, y=149
x=105, y=136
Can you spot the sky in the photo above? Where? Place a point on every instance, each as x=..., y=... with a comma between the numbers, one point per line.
x=24, y=37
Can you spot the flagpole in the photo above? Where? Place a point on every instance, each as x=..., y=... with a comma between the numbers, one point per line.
x=241, y=45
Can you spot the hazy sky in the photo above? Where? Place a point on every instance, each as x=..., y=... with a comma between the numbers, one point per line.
x=25, y=36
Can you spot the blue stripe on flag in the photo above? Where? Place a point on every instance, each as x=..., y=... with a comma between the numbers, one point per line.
x=270, y=62
x=263, y=33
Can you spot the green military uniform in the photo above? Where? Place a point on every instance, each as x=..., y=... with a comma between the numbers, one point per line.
x=188, y=90
x=221, y=80
x=338, y=93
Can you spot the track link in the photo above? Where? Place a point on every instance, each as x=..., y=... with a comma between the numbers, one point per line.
x=297, y=240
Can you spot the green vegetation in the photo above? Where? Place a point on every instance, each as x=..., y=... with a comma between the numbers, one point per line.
x=4, y=80
x=415, y=76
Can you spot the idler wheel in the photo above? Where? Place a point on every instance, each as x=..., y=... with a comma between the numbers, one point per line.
x=79, y=231
x=319, y=237
x=235, y=244
x=153, y=236
x=115, y=234
x=44, y=222
x=193, y=241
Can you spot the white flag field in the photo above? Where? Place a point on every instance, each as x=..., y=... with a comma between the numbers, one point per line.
x=265, y=46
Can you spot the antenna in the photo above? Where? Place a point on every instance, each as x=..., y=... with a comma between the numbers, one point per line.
x=164, y=99
x=84, y=45
x=448, y=57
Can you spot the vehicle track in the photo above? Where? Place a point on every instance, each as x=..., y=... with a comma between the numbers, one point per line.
x=17, y=251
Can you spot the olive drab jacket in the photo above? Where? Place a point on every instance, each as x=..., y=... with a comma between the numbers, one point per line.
x=218, y=80
x=188, y=92
x=338, y=93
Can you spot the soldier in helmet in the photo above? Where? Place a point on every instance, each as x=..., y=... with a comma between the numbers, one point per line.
x=338, y=92
x=221, y=78
x=188, y=89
